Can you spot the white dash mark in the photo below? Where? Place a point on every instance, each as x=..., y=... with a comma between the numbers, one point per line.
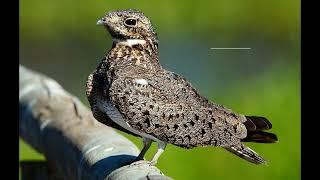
x=91, y=149
x=232, y=48
x=45, y=124
x=108, y=149
x=141, y=81
x=81, y=163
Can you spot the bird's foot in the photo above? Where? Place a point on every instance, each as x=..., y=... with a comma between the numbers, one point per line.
x=146, y=146
x=143, y=163
x=152, y=163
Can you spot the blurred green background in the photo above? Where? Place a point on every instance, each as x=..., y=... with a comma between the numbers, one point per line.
x=60, y=39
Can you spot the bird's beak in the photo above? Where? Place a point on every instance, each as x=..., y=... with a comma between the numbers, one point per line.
x=100, y=22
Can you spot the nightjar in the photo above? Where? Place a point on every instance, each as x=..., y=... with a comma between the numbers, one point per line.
x=132, y=92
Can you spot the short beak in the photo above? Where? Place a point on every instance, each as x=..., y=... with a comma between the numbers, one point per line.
x=100, y=22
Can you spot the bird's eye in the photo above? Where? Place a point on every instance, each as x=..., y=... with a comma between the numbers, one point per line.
x=130, y=22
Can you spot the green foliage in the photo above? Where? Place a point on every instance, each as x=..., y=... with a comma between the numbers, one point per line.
x=26, y=152
x=229, y=18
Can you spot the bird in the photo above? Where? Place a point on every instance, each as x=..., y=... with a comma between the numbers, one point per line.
x=131, y=92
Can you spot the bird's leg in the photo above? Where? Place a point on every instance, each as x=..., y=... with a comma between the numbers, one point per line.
x=161, y=147
x=146, y=145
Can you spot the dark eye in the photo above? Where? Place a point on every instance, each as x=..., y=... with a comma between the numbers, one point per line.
x=130, y=22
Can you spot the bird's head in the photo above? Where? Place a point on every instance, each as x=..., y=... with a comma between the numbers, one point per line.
x=128, y=24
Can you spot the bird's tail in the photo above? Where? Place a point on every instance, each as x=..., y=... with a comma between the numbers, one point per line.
x=246, y=153
x=256, y=127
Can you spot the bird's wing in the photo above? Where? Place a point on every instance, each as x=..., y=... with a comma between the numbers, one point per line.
x=95, y=91
x=177, y=88
x=180, y=89
x=166, y=107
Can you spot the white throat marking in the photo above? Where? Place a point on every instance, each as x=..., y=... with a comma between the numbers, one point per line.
x=130, y=42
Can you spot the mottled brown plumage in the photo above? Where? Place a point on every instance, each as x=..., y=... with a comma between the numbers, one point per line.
x=130, y=91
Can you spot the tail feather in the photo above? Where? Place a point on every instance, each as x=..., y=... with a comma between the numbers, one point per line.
x=246, y=153
x=255, y=130
x=255, y=126
x=257, y=123
x=260, y=137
